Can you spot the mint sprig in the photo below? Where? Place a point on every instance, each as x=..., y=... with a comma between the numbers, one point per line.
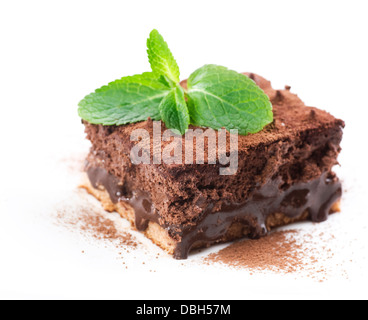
x=127, y=100
x=174, y=110
x=219, y=97
x=160, y=57
x=216, y=97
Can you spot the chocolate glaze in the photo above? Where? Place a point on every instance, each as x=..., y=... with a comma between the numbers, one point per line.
x=315, y=196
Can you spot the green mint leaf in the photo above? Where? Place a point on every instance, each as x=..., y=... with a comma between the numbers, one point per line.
x=128, y=100
x=219, y=97
x=160, y=57
x=174, y=110
x=167, y=82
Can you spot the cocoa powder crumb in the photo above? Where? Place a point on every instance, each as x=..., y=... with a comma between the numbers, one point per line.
x=102, y=228
x=278, y=251
x=282, y=252
x=92, y=223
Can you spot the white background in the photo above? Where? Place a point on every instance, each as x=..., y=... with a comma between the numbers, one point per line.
x=52, y=53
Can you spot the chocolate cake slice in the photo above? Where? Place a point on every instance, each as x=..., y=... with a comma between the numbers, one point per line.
x=284, y=175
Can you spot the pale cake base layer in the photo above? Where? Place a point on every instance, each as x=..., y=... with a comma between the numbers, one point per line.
x=160, y=236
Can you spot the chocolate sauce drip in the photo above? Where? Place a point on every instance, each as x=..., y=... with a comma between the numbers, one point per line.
x=316, y=197
x=139, y=200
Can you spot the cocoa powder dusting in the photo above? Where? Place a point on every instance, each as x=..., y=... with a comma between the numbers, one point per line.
x=89, y=222
x=102, y=228
x=278, y=251
x=281, y=252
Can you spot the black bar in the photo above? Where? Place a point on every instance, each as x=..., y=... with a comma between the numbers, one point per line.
x=182, y=309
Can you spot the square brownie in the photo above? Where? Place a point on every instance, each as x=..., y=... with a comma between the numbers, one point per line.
x=284, y=175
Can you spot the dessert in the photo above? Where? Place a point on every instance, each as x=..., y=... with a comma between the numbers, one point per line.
x=284, y=175
x=265, y=159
